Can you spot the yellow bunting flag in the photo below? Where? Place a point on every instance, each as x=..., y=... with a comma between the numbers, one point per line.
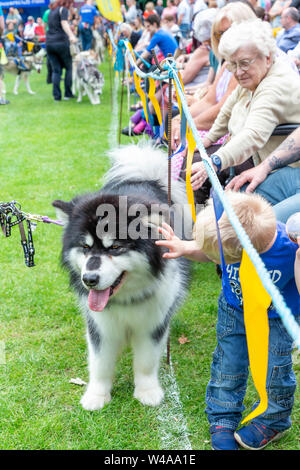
x=3, y=58
x=141, y=93
x=256, y=301
x=11, y=37
x=153, y=99
x=110, y=9
x=30, y=46
x=189, y=190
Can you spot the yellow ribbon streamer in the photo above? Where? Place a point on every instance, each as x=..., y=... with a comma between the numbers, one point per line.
x=30, y=46
x=153, y=99
x=189, y=190
x=256, y=301
x=141, y=94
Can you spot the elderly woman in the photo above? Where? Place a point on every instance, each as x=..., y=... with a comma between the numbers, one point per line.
x=205, y=110
x=267, y=95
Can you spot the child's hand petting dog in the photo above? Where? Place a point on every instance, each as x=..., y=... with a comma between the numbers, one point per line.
x=172, y=242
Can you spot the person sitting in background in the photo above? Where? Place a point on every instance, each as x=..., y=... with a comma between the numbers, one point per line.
x=130, y=14
x=276, y=11
x=29, y=28
x=13, y=19
x=159, y=7
x=87, y=13
x=169, y=24
x=137, y=31
x=258, y=104
x=149, y=10
x=159, y=37
x=14, y=48
x=39, y=30
x=290, y=37
x=170, y=9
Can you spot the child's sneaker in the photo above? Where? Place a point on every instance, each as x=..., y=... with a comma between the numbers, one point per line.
x=223, y=438
x=256, y=436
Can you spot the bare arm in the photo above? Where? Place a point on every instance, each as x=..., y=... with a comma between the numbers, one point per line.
x=199, y=59
x=66, y=27
x=288, y=152
x=177, y=248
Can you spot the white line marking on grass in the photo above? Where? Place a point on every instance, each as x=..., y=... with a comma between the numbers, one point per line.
x=113, y=133
x=173, y=427
x=172, y=423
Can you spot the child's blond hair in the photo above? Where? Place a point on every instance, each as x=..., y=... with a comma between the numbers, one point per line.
x=256, y=217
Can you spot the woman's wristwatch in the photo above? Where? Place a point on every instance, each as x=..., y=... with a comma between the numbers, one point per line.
x=217, y=162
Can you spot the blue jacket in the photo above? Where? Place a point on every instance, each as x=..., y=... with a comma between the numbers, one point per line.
x=289, y=39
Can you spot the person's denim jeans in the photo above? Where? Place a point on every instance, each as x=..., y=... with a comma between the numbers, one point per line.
x=60, y=57
x=229, y=373
x=185, y=29
x=282, y=190
x=86, y=36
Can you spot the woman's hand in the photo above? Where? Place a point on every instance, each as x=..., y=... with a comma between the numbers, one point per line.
x=172, y=242
x=253, y=176
x=198, y=175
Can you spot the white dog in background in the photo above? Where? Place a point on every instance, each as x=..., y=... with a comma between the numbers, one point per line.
x=32, y=62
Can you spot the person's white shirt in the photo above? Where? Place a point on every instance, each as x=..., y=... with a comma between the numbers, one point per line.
x=183, y=9
x=29, y=30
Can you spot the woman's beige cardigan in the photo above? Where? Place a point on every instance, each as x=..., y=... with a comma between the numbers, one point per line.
x=251, y=118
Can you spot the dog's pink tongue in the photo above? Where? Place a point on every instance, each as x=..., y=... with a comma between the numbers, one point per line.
x=98, y=299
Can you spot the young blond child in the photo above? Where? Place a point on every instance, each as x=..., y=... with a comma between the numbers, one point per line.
x=229, y=371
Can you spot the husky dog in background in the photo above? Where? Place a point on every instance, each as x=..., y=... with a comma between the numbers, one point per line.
x=127, y=291
x=87, y=80
x=32, y=62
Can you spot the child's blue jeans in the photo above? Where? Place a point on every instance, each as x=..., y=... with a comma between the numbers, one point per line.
x=229, y=373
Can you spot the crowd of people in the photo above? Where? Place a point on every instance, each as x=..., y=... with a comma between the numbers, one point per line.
x=239, y=62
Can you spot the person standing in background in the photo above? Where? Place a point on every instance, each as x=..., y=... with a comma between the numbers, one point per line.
x=58, y=39
x=87, y=13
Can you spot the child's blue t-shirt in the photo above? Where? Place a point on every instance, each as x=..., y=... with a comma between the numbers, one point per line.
x=164, y=41
x=279, y=261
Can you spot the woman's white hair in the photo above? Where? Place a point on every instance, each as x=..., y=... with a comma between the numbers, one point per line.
x=255, y=33
x=203, y=23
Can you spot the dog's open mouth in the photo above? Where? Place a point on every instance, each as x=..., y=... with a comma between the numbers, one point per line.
x=98, y=299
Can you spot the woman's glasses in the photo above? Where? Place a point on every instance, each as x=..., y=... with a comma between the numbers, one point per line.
x=243, y=65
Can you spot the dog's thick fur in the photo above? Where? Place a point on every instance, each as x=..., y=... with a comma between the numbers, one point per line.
x=32, y=62
x=87, y=79
x=128, y=292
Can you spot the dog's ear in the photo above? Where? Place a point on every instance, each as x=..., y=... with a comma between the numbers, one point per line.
x=63, y=210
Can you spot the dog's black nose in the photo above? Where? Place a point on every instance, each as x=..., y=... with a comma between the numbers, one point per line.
x=90, y=279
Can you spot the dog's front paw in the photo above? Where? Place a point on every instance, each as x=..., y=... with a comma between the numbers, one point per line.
x=92, y=401
x=151, y=396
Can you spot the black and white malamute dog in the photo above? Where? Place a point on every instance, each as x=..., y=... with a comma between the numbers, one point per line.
x=127, y=290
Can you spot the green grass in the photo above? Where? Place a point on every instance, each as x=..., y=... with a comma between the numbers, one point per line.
x=57, y=150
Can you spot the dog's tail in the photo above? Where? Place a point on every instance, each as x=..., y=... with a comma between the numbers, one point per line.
x=143, y=162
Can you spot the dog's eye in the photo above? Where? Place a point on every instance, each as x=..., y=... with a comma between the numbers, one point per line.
x=86, y=247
